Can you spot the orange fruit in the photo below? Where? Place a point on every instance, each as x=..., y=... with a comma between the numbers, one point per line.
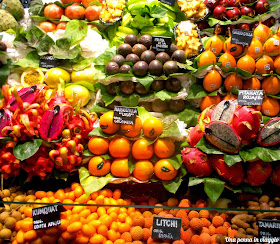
x=132, y=130
x=212, y=81
x=141, y=149
x=214, y=44
x=119, y=168
x=208, y=101
x=98, y=145
x=227, y=60
x=255, y=49
x=230, y=96
x=107, y=124
x=234, y=49
x=277, y=65
x=247, y=63
x=233, y=82
x=207, y=57
x=152, y=128
x=164, y=147
x=119, y=147
x=98, y=166
x=264, y=65
x=271, y=85
x=164, y=170
x=252, y=84
x=143, y=170
x=270, y=107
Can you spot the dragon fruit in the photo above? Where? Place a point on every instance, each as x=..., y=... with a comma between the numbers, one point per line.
x=205, y=115
x=275, y=177
x=196, y=162
x=270, y=133
x=195, y=135
x=246, y=121
x=258, y=172
x=222, y=136
x=224, y=111
x=234, y=174
x=5, y=119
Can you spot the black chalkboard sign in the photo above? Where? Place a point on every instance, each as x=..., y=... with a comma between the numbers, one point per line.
x=269, y=231
x=46, y=217
x=242, y=37
x=250, y=97
x=161, y=43
x=166, y=228
x=169, y=2
x=48, y=62
x=125, y=115
x=25, y=3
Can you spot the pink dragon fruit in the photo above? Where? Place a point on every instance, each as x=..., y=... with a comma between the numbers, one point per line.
x=275, y=177
x=5, y=119
x=224, y=111
x=270, y=133
x=234, y=174
x=258, y=172
x=196, y=162
x=246, y=121
x=222, y=136
x=205, y=115
x=195, y=135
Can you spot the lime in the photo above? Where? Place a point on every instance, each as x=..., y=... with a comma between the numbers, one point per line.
x=74, y=93
x=31, y=76
x=87, y=74
x=54, y=75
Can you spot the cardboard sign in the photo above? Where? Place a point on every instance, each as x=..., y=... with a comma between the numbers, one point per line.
x=269, y=231
x=25, y=3
x=169, y=2
x=161, y=43
x=48, y=62
x=46, y=217
x=166, y=228
x=125, y=115
x=242, y=37
x=250, y=97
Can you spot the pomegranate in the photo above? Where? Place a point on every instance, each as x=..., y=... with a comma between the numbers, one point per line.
x=92, y=12
x=75, y=11
x=261, y=6
x=47, y=26
x=53, y=11
x=220, y=12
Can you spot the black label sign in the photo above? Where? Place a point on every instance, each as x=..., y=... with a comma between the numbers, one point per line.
x=161, y=43
x=166, y=228
x=169, y=2
x=125, y=115
x=25, y=3
x=242, y=37
x=250, y=97
x=48, y=62
x=46, y=217
x=269, y=231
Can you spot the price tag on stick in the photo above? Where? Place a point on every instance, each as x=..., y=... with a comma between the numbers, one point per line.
x=161, y=43
x=125, y=115
x=250, y=97
x=166, y=228
x=242, y=37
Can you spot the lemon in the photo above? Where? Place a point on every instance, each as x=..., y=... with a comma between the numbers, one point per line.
x=87, y=74
x=53, y=76
x=31, y=76
x=74, y=93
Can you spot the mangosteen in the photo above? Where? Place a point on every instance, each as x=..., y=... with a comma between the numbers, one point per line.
x=163, y=57
x=146, y=40
x=138, y=49
x=148, y=56
x=176, y=106
x=113, y=104
x=173, y=85
x=170, y=67
x=132, y=58
x=173, y=48
x=127, y=87
x=155, y=67
x=179, y=56
x=3, y=46
x=141, y=90
x=157, y=85
x=140, y=69
x=111, y=88
x=124, y=49
x=146, y=105
x=119, y=59
x=159, y=106
x=125, y=68
x=131, y=39
x=111, y=68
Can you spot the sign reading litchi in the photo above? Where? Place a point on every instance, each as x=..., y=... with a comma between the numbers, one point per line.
x=166, y=228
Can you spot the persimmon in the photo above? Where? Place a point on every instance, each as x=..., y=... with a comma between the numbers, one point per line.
x=270, y=107
x=152, y=127
x=119, y=168
x=98, y=166
x=264, y=65
x=119, y=147
x=143, y=170
x=107, y=124
x=233, y=82
x=164, y=147
x=247, y=63
x=98, y=145
x=227, y=60
x=271, y=84
x=164, y=170
x=207, y=57
x=252, y=83
x=142, y=150
x=132, y=130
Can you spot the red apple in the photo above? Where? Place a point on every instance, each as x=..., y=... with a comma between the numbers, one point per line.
x=86, y=3
x=75, y=11
x=233, y=13
x=71, y=1
x=53, y=11
x=219, y=12
x=261, y=6
x=47, y=26
x=248, y=11
x=92, y=12
x=61, y=25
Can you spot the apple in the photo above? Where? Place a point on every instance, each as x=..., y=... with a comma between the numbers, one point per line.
x=61, y=25
x=53, y=11
x=47, y=26
x=220, y=12
x=75, y=11
x=248, y=11
x=92, y=12
x=233, y=13
x=86, y=3
x=261, y=6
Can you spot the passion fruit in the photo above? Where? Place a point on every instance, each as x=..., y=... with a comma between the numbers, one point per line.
x=170, y=67
x=159, y=106
x=124, y=69
x=140, y=69
x=111, y=68
x=176, y=106
x=131, y=39
x=138, y=49
x=155, y=67
x=119, y=59
x=148, y=56
x=132, y=58
x=173, y=85
x=162, y=57
x=140, y=89
x=111, y=88
x=127, y=87
x=146, y=105
x=124, y=49
x=146, y=40
x=157, y=85
x=179, y=56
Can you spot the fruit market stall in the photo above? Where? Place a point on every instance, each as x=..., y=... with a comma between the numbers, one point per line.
x=117, y=116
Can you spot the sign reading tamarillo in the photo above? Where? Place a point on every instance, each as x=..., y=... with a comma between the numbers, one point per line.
x=166, y=228
x=250, y=97
x=269, y=231
x=125, y=115
x=242, y=37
